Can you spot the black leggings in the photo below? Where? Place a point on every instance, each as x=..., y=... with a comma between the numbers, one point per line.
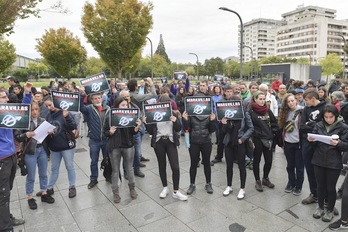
x=344, y=209
x=267, y=153
x=235, y=153
x=326, y=185
x=195, y=151
x=164, y=147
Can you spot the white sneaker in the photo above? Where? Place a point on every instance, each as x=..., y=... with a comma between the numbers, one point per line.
x=241, y=194
x=227, y=191
x=164, y=192
x=180, y=196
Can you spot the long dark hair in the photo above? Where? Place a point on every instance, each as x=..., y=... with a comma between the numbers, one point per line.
x=330, y=109
x=284, y=110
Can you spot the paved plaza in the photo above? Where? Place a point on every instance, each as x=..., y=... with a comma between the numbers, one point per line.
x=94, y=210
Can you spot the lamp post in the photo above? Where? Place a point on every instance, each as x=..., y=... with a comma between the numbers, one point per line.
x=241, y=38
x=252, y=57
x=191, y=53
x=344, y=55
x=151, y=57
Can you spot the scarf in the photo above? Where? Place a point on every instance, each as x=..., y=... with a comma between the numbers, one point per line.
x=262, y=110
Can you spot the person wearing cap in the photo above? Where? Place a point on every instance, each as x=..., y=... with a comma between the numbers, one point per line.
x=299, y=96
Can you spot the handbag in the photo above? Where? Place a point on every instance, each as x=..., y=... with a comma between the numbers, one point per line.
x=290, y=125
x=106, y=166
x=20, y=159
x=71, y=139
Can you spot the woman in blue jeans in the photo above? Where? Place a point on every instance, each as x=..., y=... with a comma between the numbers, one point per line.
x=61, y=146
x=35, y=154
x=289, y=119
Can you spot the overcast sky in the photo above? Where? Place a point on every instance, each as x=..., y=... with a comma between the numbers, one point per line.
x=196, y=26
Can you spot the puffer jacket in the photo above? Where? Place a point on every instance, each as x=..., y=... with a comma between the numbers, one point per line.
x=59, y=140
x=123, y=137
x=326, y=155
x=152, y=130
x=20, y=136
x=200, y=128
x=95, y=121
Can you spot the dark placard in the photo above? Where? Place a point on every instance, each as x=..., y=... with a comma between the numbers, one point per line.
x=198, y=106
x=231, y=110
x=122, y=118
x=15, y=116
x=180, y=75
x=159, y=112
x=95, y=84
x=66, y=101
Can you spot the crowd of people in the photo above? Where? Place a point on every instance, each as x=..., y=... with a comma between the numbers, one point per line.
x=289, y=116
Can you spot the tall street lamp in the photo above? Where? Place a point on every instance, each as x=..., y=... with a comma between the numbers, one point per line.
x=191, y=53
x=344, y=55
x=241, y=38
x=252, y=57
x=151, y=57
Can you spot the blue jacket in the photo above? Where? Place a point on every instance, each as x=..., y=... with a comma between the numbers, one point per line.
x=7, y=147
x=95, y=121
x=59, y=140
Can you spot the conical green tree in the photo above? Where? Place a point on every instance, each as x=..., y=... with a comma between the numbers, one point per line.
x=161, y=50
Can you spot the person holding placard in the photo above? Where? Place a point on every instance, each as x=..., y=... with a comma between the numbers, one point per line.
x=200, y=129
x=35, y=153
x=327, y=159
x=121, y=144
x=237, y=132
x=61, y=145
x=165, y=140
x=8, y=164
x=265, y=124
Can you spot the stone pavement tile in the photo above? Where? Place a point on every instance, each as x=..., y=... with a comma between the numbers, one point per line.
x=230, y=206
x=62, y=227
x=201, y=193
x=149, y=182
x=272, y=201
x=144, y=213
x=168, y=224
x=104, y=217
x=188, y=211
x=49, y=217
x=63, y=182
x=297, y=229
x=261, y=220
x=85, y=198
x=301, y=215
x=154, y=195
x=219, y=179
x=212, y=221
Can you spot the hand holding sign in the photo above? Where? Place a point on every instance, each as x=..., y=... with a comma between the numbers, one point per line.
x=27, y=87
x=172, y=118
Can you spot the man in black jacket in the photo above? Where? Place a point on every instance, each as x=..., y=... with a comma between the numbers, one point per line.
x=310, y=116
x=200, y=128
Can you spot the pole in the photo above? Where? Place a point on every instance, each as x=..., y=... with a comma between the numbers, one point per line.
x=191, y=53
x=344, y=55
x=252, y=58
x=241, y=39
x=151, y=57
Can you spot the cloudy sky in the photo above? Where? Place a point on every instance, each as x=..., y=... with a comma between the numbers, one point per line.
x=195, y=26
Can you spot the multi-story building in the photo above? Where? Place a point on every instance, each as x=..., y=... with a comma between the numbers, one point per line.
x=23, y=61
x=311, y=32
x=259, y=38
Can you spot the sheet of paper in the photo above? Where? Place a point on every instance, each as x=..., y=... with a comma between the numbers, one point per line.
x=41, y=131
x=321, y=138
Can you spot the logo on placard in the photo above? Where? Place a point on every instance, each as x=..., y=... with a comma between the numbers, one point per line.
x=230, y=113
x=199, y=109
x=64, y=105
x=96, y=86
x=158, y=116
x=10, y=120
x=125, y=121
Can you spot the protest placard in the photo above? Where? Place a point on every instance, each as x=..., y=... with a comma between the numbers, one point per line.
x=15, y=116
x=231, y=110
x=95, y=84
x=122, y=118
x=66, y=101
x=198, y=106
x=159, y=112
